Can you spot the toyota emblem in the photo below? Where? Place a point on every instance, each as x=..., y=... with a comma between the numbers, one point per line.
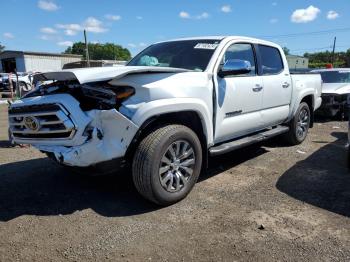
x=31, y=123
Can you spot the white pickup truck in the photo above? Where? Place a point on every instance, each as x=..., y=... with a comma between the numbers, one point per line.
x=171, y=107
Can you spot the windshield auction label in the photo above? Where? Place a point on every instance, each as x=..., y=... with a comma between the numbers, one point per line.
x=206, y=46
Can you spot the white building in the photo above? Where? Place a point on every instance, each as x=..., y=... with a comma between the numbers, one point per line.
x=297, y=62
x=24, y=61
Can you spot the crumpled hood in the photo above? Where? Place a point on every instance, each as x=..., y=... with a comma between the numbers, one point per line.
x=94, y=74
x=336, y=88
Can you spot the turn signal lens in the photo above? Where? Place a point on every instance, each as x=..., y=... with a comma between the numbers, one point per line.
x=124, y=92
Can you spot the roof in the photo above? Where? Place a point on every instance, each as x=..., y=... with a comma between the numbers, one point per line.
x=220, y=38
x=331, y=69
x=296, y=56
x=38, y=53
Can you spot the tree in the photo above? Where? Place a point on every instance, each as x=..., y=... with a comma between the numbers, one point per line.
x=286, y=50
x=107, y=51
x=2, y=48
x=321, y=59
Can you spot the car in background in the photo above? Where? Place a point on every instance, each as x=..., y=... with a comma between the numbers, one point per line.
x=24, y=81
x=335, y=89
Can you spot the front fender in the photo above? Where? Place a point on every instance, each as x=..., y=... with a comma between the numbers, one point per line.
x=163, y=106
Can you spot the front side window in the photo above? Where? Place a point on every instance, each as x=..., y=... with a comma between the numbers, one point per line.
x=241, y=52
x=271, y=60
x=187, y=54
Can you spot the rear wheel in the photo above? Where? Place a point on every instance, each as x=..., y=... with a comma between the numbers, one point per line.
x=167, y=164
x=299, y=125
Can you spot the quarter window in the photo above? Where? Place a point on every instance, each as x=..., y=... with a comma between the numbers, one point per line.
x=271, y=60
x=241, y=52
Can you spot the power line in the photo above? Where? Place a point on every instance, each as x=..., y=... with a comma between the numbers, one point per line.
x=338, y=30
x=317, y=48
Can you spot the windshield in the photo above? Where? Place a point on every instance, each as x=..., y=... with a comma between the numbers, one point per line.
x=336, y=76
x=187, y=54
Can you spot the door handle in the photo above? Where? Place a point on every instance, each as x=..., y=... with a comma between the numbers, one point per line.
x=285, y=85
x=257, y=88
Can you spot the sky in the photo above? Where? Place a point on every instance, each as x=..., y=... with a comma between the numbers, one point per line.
x=53, y=25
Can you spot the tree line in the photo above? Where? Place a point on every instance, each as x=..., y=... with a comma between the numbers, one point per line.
x=107, y=51
x=321, y=59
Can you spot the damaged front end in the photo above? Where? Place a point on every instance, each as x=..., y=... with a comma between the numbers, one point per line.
x=76, y=124
x=333, y=104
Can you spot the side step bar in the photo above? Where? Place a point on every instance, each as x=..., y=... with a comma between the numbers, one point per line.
x=248, y=140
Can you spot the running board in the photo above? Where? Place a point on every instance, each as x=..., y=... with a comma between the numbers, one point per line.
x=248, y=140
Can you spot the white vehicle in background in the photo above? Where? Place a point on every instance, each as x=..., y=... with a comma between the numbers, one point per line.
x=25, y=81
x=335, y=88
x=171, y=107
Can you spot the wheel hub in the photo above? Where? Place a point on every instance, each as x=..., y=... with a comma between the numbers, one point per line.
x=176, y=166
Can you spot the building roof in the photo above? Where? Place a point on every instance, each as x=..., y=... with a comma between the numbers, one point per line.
x=296, y=56
x=14, y=52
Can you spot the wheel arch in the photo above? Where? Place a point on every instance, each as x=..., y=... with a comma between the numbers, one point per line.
x=189, y=118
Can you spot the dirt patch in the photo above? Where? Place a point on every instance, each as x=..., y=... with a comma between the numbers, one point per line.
x=262, y=203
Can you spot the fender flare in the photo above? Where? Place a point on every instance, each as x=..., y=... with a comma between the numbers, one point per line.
x=300, y=96
x=163, y=106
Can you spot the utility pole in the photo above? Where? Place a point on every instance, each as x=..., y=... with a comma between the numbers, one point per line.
x=87, y=50
x=335, y=40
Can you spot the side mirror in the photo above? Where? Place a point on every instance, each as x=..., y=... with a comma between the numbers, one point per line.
x=235, y=67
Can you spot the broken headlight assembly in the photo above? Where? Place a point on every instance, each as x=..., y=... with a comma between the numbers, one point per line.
x=104, y=97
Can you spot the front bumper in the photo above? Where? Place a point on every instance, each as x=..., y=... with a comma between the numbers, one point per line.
x=97, y=135
x=332, y=104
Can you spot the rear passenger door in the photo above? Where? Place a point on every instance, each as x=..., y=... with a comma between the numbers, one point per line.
x=277, y=85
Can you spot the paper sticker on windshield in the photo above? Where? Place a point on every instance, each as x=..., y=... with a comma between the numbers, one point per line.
x=206, y=46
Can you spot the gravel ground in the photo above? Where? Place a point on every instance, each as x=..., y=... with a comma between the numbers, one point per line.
x=262, y=203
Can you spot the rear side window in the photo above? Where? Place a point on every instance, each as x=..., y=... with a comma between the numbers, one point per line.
x=271, y=60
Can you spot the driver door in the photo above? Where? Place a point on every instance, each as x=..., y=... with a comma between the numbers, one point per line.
x=239, y=97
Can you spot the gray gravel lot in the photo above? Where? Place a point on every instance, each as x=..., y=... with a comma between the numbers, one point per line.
x=300, y=195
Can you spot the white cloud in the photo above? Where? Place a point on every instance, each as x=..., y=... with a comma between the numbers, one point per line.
x=113, y=17
x=226, y=9
x=47, y=5
x=65, y=43
x=273, y=20
x=50, y=38
x=48, y=30
x=94, y=25
x=8, y=35
x=184, y=15
x=203, y=15
x=45, y=37
x=139, y=17
x=140, y=45
x=91, y=24
x=331, y=15
x=305, y=15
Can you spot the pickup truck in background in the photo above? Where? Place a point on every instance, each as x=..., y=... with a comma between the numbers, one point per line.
x=171, y=107
x=335, y=89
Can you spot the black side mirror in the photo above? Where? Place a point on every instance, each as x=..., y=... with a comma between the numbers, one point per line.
x=235, y=67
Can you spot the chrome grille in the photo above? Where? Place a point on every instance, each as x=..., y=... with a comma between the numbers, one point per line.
x=45, y=121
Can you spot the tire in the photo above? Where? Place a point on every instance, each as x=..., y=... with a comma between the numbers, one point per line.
x=174, y=149
x=299, y=125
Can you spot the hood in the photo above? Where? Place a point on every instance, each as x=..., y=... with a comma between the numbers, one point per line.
x=95, y=74
x=336, y=88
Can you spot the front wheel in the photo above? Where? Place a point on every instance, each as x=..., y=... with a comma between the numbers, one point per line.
x=167, y=164
x=299, y=125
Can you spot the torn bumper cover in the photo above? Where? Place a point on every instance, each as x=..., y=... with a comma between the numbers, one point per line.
x=332, y=104
x=98, y=135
